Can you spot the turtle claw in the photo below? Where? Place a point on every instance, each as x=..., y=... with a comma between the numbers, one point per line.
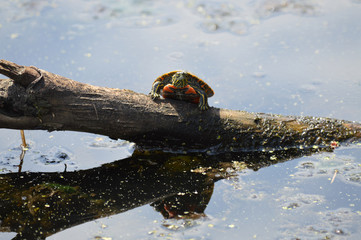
x=155, y=96
x=203, y=107
x=203, y=103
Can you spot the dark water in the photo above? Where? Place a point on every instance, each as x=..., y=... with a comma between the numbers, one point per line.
x=286, y=57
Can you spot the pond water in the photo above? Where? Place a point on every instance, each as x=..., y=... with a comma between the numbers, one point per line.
x=276, y=56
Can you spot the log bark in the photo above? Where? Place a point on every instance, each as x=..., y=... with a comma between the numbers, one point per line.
x=37, y=99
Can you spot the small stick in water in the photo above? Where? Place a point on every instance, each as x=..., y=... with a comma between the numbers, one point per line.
x=23, y=138
x=24, y=148
x=334, y=176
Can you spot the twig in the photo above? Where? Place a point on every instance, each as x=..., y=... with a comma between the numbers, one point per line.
x=334, y=176
x=23, y=149
x=23, y=138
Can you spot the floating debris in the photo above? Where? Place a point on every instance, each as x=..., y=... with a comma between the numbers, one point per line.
x=334, y=176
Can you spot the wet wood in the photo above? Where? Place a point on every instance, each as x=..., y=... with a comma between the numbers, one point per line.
x=37, y=99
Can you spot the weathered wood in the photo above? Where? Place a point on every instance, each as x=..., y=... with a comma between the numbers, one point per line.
x=37, y=99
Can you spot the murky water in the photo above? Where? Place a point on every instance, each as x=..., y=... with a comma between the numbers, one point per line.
x=286, y=57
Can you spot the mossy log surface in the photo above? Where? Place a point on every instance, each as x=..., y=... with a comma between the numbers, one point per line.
x=37, y=99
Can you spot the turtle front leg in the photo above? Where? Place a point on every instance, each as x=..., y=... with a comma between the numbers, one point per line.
x=155, y=91
x=203, y=103
x=203, y=99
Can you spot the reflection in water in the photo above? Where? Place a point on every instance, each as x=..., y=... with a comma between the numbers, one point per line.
x=37, y=205
x=307, y=67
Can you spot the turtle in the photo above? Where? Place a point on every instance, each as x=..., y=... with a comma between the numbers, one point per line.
x=182, y=85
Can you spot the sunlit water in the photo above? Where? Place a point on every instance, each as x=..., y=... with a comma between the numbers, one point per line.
x=286, y=57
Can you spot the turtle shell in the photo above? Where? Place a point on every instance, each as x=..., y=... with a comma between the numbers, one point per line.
x=193, y=81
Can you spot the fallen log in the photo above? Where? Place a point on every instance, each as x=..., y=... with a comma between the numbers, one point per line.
x=37, y=99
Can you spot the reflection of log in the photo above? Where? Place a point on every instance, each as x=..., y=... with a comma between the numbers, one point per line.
x=37, y=99
x=37, y=205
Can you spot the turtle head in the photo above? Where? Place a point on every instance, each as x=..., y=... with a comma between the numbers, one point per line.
x=180, y=79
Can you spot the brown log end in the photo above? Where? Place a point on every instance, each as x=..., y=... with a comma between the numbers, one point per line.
x=22, y=75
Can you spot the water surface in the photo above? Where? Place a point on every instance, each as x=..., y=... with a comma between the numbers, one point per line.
x=284, y=57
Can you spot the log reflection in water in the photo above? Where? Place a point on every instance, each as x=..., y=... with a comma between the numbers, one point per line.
x=37, y=205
